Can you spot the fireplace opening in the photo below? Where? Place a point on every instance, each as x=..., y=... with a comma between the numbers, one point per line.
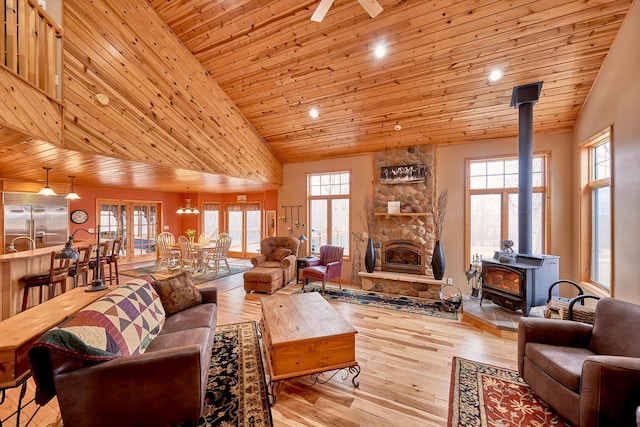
x=402, y=256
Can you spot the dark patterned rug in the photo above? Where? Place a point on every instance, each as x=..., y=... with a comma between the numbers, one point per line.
x=483, y=395
x=386, y=301
x=236, y=391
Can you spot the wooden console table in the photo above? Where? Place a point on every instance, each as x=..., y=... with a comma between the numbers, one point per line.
x=304, y=335
x=19, y=332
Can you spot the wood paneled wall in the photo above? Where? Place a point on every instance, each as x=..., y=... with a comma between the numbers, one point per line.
x=163, y=109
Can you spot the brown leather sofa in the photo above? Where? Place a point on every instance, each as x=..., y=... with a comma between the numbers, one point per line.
x=164, y=385
x=590, y=375
x=278, y=252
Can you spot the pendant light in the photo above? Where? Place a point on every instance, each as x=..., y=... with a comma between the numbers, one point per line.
x=46, y=190
x=187, y=209
x=73, y=195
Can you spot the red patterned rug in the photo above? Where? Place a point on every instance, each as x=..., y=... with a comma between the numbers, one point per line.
x=484, y=396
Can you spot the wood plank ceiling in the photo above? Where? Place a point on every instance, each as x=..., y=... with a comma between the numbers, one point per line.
x=275, y=64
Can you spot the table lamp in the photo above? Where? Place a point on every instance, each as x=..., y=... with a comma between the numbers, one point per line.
x=69, y=253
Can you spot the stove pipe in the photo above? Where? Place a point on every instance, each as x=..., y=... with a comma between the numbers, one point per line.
x=524, y=97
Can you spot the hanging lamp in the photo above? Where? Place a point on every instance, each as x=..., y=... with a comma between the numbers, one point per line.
x=73, y=195
x=187, y=209
x=46, y=190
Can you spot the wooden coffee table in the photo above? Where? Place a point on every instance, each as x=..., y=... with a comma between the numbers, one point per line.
x=302, y=335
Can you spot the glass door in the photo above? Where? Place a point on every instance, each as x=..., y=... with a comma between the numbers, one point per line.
x=137, y=223
x=244, y=226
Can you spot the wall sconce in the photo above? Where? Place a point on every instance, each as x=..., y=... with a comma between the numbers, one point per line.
x=46, y=190
x=73, y=195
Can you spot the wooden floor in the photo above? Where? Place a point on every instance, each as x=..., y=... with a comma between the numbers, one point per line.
x=405, y=362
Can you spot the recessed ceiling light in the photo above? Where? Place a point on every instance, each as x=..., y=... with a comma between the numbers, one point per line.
x=495, y=75
x=313, y=113
x=380, y=51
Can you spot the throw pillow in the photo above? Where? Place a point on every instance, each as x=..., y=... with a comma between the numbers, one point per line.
x=279, y=254
x=177, y=293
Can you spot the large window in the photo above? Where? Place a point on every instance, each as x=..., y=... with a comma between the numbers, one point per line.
x=329, y=204
x=211, y=218
x=492, y=208
x=596, y=206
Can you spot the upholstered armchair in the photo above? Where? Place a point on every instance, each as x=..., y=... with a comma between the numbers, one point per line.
x=278, y=252
x=327, y=267
x=590, y=374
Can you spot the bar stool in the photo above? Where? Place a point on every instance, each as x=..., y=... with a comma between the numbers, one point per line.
x=112, y=259
x=104, y=249
x=81, y=267
x=58, y=273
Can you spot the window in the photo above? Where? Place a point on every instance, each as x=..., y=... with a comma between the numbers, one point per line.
x=329, y=204
x=492, y=213
x=596, y=206
x=211, y=218
x=244, y=226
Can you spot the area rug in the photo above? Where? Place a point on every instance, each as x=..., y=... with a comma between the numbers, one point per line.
x=386, y=301
x=162, y=273
x=236, y=391
x=486, y=396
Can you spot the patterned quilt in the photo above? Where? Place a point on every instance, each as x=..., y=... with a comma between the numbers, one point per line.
x=121, y=323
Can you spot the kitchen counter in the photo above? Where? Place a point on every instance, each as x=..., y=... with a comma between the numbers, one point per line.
x=16, y=265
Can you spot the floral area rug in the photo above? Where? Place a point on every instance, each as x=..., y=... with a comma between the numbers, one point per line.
x=236, y=391
x=162, y=273
x=386, y=301
x=484, y=396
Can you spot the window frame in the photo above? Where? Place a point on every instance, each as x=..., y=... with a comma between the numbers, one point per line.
x=588, y=183
x=504, y=192
x=329, y=198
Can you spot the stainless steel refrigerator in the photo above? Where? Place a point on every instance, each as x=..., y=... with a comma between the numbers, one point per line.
x=44, y=219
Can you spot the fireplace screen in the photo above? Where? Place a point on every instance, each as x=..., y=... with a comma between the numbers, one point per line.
x=402, y=256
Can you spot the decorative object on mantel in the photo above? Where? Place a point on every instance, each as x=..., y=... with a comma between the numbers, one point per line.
x=370, y=253
x=402, y=174
x=393, y=207
x=439, y=212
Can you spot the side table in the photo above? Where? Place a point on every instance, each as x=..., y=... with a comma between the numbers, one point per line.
x=302, y=263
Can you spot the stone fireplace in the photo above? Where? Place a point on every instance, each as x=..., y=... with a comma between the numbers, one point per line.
x=404, y=270
x=402, y=256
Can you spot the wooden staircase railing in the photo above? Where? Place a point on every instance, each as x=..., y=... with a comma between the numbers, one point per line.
x=30, y=42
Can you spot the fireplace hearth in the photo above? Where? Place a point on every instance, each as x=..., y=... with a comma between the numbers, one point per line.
x=403, y=256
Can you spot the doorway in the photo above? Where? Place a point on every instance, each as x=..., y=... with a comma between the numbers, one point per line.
x=244, y=225
x=136, y=221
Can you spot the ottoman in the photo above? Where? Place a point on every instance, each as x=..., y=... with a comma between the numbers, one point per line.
x=261, y=279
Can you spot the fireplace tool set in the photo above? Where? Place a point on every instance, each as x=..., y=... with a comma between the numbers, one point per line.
x=474, y=276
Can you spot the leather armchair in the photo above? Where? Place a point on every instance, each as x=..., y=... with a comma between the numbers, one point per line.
x=589, y=374
x=278, y=252
x=327, y=267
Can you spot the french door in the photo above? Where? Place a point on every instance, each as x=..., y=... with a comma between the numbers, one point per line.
x=244, y=226
x=136, y=221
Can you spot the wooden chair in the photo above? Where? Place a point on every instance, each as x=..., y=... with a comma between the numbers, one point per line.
x=104, y=249
x=111, y=259
x=220, y=252
x=328, y=267
x=188, y=255
x=167, y=254
x=80, y=268
x=204, y=238
x=58, y=273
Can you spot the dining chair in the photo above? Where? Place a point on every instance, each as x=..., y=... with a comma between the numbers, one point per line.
x=112, y=257
x=188, y=255
x=166, y=253
x=219, y=252
x=204, y=238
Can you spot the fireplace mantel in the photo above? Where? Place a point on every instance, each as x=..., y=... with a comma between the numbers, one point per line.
x=412, y=214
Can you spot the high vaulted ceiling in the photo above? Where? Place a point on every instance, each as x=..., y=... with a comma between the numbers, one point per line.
x=276, y=64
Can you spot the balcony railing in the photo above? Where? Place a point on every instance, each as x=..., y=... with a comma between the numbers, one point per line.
x=31, y=44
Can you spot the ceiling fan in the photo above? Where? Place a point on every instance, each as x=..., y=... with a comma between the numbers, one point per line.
x=372, y=7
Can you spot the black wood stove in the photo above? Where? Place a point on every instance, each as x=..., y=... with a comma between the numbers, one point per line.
x=521, y=284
